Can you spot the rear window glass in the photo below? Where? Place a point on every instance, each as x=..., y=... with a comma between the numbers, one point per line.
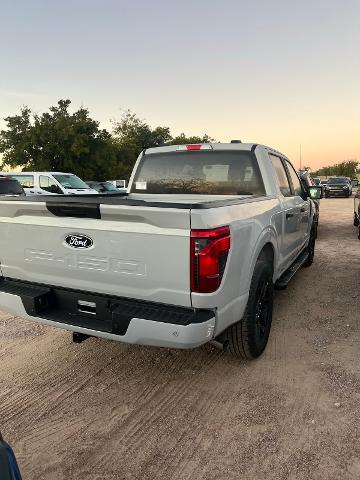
x=200, y=172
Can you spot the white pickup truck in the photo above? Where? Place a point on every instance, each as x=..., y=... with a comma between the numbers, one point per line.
x=190, y=254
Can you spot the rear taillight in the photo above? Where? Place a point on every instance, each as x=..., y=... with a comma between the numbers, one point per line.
x=208, y=252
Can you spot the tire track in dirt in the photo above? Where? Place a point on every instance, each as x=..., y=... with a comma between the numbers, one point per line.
x=57, y=389
x=208, y=405
x=141, y=418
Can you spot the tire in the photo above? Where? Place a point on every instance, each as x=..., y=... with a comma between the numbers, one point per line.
x=356, y=220
x=248, y=337
x=311, y=248
x=316, y=226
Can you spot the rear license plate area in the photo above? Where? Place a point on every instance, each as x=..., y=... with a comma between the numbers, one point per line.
x=81, y=309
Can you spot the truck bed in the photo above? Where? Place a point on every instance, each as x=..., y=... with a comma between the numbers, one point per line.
x=166, y=201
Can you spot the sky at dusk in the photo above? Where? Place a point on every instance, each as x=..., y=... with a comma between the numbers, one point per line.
x=280, y=72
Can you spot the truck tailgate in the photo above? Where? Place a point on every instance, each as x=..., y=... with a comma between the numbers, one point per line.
x=136, y=252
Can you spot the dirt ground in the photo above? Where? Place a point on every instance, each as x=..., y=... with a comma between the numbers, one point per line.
x=102, y=410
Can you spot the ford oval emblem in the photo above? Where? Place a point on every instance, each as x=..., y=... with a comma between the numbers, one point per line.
x=77, y=240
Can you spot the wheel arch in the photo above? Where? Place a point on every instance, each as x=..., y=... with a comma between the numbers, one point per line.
x=267, y=248
x=268, y=253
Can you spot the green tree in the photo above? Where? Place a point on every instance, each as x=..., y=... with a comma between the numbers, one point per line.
x=73, y=142
x=347, y=168
x=183, y=139
x=131, y=135
x=137, y=134
x=58, y=141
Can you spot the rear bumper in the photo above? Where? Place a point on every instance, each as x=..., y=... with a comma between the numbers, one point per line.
x=115, y=318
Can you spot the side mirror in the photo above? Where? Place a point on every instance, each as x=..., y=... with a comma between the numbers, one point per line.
x=315, y=192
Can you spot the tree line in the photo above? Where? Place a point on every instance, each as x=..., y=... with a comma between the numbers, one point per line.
x=74, y=142
x=348, y=168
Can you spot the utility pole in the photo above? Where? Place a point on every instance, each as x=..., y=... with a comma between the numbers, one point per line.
x=300, y=158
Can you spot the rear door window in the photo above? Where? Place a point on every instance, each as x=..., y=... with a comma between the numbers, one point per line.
x=200, y=172
x=26, y=181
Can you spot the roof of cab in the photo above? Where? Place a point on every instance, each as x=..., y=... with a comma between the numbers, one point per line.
x=214, y=146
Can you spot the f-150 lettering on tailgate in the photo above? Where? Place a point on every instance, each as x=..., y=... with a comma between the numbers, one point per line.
x=87, y=262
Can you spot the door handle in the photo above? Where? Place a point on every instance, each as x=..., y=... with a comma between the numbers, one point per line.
x=289, y=215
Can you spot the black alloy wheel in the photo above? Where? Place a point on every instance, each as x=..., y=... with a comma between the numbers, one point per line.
x=262, y=309
x=311, y=248
x=248, y=337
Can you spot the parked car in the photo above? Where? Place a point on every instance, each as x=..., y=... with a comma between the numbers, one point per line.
x=338, y=186
x=51, y=183
x=10, y=186
x=103, y=187
x=307, y=182
x=190, y=255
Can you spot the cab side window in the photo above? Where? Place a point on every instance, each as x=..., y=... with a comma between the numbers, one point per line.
x=47, y=184
x=294, y=179
x=281, y=175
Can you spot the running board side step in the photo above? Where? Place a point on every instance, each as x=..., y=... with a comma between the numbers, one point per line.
x=285, y=278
